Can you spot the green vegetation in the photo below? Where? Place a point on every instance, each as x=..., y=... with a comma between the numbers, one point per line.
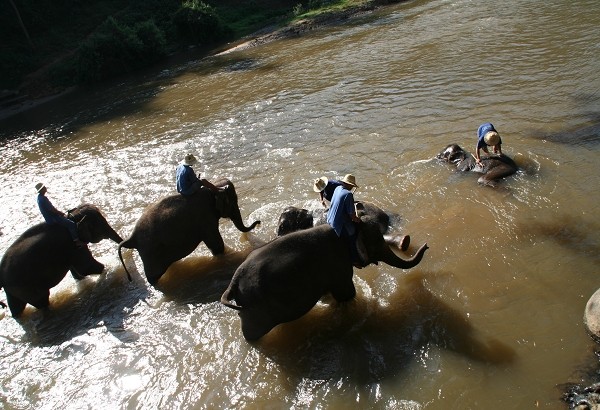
x=48, y=45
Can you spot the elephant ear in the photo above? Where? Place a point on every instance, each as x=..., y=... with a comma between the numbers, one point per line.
x=84, y=230
x=361, y=244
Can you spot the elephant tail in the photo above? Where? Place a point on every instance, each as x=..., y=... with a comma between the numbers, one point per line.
x=228, y=296
x=127, y=243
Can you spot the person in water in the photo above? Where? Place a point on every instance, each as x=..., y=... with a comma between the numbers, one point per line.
x=343, y=218
x=54, y=216
x=325, y=187
x=187, y=181
x=487, y=136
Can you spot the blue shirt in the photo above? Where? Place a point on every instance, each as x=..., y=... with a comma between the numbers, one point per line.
x=49, y=212
x=342, y=206
x=481, y=131
x=332, y=184
x=186, y=178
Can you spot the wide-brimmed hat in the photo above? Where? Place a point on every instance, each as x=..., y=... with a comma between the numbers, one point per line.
x=350, y=180
x=491, y=138
x=190, y=159
x=320, y=184
x=39, y=186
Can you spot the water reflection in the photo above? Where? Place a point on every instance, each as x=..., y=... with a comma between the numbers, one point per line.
x=492, y=317
x=99, y=301
x=366, y=341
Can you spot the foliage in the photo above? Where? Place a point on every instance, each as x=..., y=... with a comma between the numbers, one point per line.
x=116, y=48
x=198, y=23
x=68, y=41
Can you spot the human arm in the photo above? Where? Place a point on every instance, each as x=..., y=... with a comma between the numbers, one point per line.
x=350, y=208
x=209, y=185
x=322, y=199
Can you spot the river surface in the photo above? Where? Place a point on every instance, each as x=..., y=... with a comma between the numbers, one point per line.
x=491, y=318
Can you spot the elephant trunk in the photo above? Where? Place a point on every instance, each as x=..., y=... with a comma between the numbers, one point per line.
x=392, y=259
x=114, y=236
x=228, y=296
x=236, y=218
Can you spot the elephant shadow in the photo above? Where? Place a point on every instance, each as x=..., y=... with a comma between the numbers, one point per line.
x=370, y=342
x=200, y=279
x=103, y=300
x=572, y=233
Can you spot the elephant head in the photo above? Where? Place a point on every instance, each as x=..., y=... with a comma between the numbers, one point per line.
x=173, y=227
x=226, y=205
x=41, y=257
x=284, y=279
x=92, y=225
x=293, y=219
x=493, y=167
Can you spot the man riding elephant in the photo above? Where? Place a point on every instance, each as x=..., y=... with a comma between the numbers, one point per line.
x=187, y=181
x=342, y=216
x=54, y=216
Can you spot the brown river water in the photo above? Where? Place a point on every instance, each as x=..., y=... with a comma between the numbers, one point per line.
x=492, y=317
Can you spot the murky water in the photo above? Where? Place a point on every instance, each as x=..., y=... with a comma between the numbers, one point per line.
x=492, y=317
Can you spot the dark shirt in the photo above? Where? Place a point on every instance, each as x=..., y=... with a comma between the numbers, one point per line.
x=332, y=184
x=481, y=131
x=49, y=212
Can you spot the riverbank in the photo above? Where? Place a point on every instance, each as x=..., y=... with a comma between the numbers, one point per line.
x=15, y=102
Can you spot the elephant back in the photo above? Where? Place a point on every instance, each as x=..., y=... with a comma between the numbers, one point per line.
x=51, y=243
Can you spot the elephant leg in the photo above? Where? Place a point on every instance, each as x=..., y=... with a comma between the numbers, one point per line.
x=43, y=301
x=215, y=243
x=16, y=305
x=84, y=264
x=344, y=291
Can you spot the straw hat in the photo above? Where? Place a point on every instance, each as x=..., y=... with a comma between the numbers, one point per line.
x=350, y=180
x=189, y=160
x=491, y=138
x=320, y=184
x=39, y=186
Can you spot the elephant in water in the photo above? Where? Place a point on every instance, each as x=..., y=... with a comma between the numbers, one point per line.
x=293, y=219
x=494, y=166
x=174, y=226
x=285, y=278
x=40, y=258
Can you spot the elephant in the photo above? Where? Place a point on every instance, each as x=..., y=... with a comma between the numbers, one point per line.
x=173, y=227
x=494, y=166
x=282, y=280
x=40, y=258
x=293, y=219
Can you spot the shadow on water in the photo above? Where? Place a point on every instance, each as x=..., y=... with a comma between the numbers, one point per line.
x=104, y=300
x=586, y=136
x=63, y=116
x=377, y=342
x=574, y=234
x=200, y=279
